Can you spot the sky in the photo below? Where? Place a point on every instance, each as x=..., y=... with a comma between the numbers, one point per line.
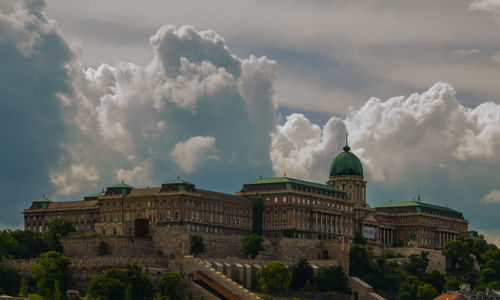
x=222, y=92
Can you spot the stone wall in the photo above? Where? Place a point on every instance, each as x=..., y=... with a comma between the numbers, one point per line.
x=437, y=261
x=173, y=242
x=118, y=246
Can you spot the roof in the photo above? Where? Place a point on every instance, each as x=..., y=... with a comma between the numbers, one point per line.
x=416, y=204
x=292, y=180
x=42, y=200
x=73, y=204
x=346, y=163
x=222, y=196
x=144, y=191
x=96, y=195
x=121, y=185
x=179, y=181
x=454, y=296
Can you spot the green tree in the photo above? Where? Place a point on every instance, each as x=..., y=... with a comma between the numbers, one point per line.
x=106, y=289
x=452, y=284
x=408, y=290
x=435, y=279
x=418, y=264
x=57, y=295
x=302, y=272
x=426, y=291
x=275, y=277
x=331, y=279
x=197, y=245
x=359, y=238
x=31, y=244
x=58, y=228
x=128, y=292
x=459, y=253
x=10, y=280
x=51, y=266
x=490, y=272
x=142, y=286
x=360, y=260
x=171, y=285
x=251, y=245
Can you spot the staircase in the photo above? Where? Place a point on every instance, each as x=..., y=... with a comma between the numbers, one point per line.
x=212, y=280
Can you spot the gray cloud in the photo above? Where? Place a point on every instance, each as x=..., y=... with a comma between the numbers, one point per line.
x=33, y=57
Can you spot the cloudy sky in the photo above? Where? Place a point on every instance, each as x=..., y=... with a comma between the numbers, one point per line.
x=221, y=92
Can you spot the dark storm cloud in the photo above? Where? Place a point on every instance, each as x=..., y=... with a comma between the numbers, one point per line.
x=32, y=73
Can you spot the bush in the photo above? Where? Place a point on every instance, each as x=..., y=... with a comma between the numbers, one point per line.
x=275, y=277
x=251, y=245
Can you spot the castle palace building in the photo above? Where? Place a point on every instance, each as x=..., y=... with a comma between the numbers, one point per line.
x=274, y=207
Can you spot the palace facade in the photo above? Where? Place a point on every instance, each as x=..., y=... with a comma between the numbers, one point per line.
x=274, y=207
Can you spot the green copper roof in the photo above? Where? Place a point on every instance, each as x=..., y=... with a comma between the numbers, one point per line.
x=179, y=181
x=346, y=163
x=416, y=204
x=96, y=195
x=122, y=185
x=292, y=180
x=42, y=200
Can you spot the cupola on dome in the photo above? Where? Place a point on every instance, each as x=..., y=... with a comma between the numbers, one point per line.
x=346, y=163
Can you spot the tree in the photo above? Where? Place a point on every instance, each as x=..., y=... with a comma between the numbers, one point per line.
x=418, y=264
x=360, y=260
x=251, y=245
x=58, y=228
x=408, y=290
x=142, y=286
x=128, y=292
x=119, y=283
x=10, y=280
x=426, y=291
x=459, y=253
x=51, y=266
x=106, y=289
x=171, y=285
x=302, y=272
x=359, y=238
x=57, y=295
x=275, y=277
x=435, y=279
x=31, y=244
x=197, y=245
x=331, y=279
x=490, y=272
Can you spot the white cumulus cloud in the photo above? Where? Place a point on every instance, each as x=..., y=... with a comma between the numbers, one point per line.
x=492, y=197
x=190, y=153
x=128, y=118
x=392, y=136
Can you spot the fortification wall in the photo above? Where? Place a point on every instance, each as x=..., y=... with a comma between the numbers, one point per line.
x=118, y=246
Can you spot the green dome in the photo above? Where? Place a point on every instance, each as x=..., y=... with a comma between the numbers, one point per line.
x=346, y=163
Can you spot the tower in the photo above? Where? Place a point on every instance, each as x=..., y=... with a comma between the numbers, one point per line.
x=346, y=173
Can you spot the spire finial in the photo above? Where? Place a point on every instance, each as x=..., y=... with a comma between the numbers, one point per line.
x=122, y=180
x=178, y=177
x=346, y=147
x=419, y=193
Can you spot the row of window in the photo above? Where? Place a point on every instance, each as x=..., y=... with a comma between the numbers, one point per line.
x=175, y=203
x=306, y=201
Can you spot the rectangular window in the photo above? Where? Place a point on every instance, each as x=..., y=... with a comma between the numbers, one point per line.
x=118, y=217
